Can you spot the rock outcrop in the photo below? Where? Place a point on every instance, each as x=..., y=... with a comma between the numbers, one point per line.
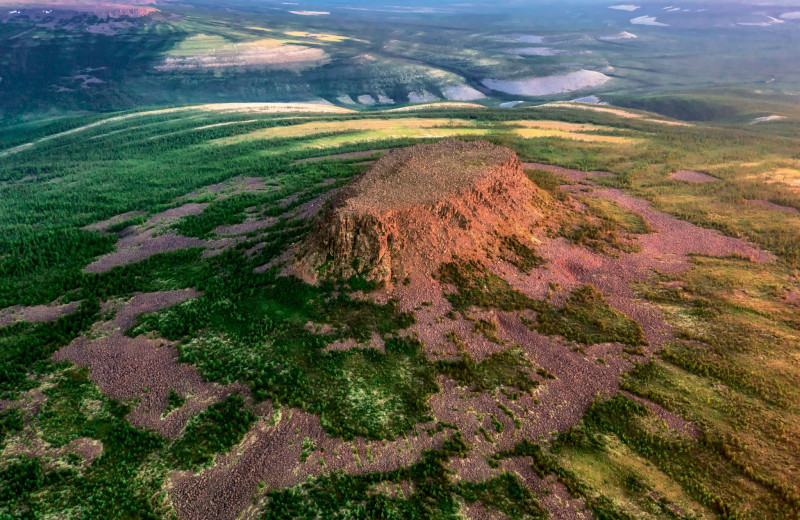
x=418, y=207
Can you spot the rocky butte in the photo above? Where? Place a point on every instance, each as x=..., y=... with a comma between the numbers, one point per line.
x=418, y=207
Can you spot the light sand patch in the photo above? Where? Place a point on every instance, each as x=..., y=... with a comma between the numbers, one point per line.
x=766, y=23
x=648, y=20
x=323, y=37
x=766, y=119
x=262, y=53
x=545, y=86
x=561, y=125
x=624, y=35
x=323, y=127
x=625, y=7
x=422, y=97
x=215, y=125
x=462, y=93
x=788, y=177
x=536, y=51
x=269, y=108
x=310, y=13
x=534, y=133
x=435, y=106
x=381, y=135
x=691, y=176
x=593, y=107
x=528, y=38
x=621, y=113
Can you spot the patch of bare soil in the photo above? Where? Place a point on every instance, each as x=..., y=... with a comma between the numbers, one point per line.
x=30, y=444
x=36, y=313
x=771, y=205
x=143, y=368
x=690, y=176
x=348, y=344
x=88, y=449
x=138, y=243
x=420, y=206
x=271, y=452
x=348, y=155
x=552, y=494
x=234, y=186
x=571, y=175
x=103, y=225
x=312, y=207
x=248, y=226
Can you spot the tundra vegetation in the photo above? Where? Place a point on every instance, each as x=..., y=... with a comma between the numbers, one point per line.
x=729, y=375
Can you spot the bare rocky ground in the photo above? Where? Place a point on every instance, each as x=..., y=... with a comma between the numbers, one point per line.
x=691, y=176
x=271, y=452
x=138, y=243
x=154, y=236
x=349, y=155
x=36, y=313
x=146, y=368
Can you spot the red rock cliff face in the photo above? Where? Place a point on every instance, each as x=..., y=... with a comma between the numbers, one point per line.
x=418, y=207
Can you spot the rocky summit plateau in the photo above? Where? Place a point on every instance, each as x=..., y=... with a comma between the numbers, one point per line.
x=418, y=207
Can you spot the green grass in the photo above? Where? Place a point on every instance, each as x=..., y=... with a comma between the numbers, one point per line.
x=605, y=227
x=111, y=487
x=10, y=421
x=478, y=287
x=520, y=255
x=258, y=336
x=174, y=401
x=587, y=318
x=507, y=368
x=214, y=431
x=434, y=494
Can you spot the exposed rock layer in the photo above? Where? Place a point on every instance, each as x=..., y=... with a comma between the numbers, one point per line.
x=420, y=206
